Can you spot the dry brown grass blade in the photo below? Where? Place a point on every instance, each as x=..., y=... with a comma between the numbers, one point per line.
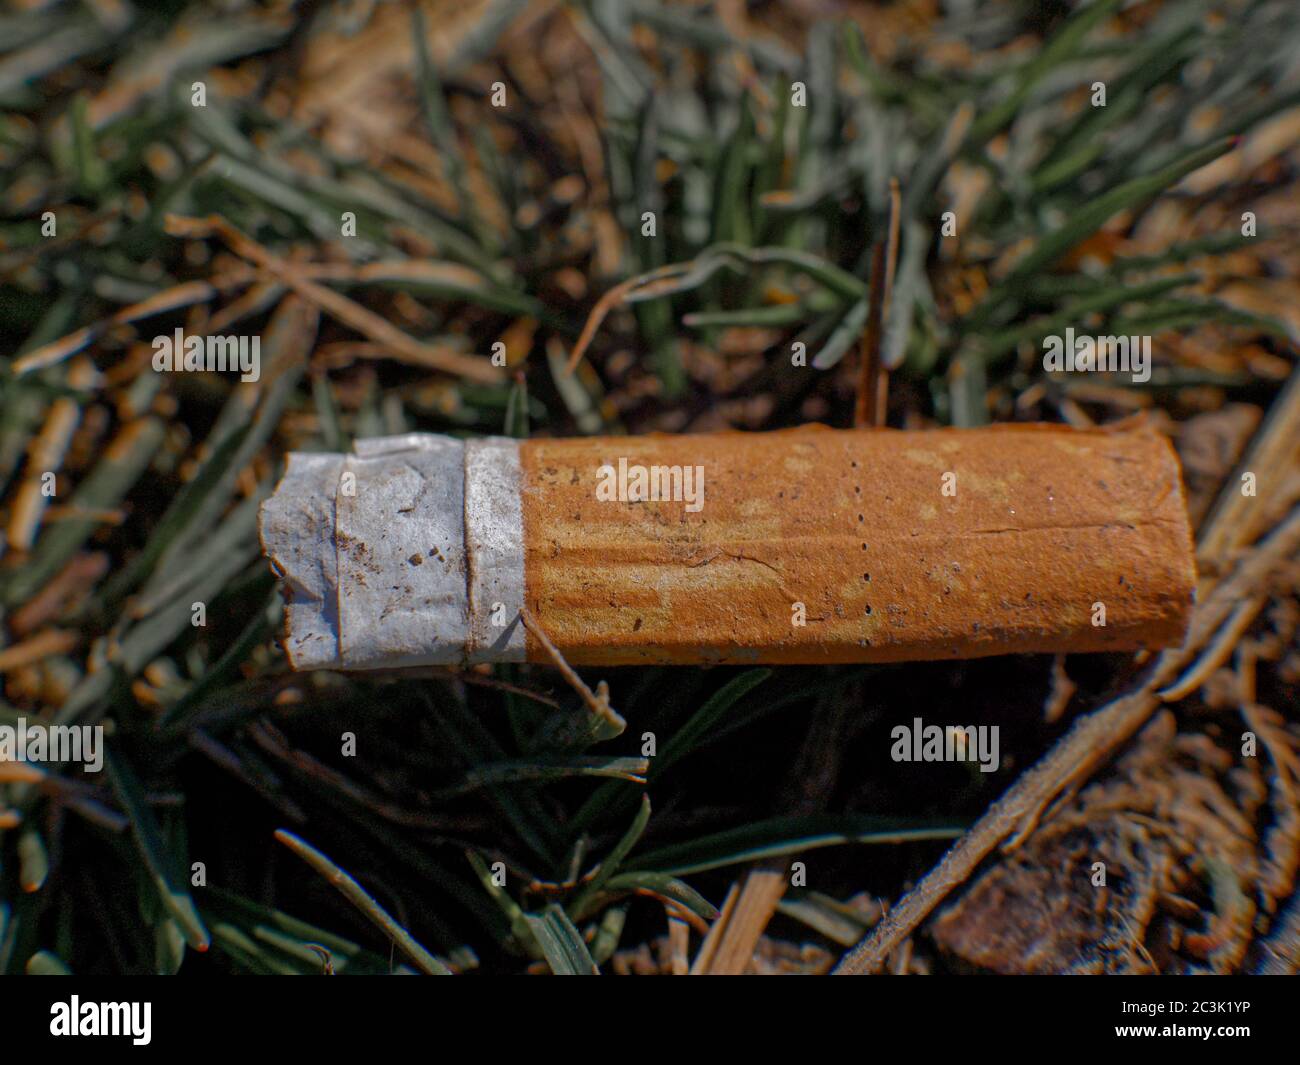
x=1218, y=652
x=44, y=457
x=402, y=346
x=737, y=931
x=1272, y=455
x=709, y=947
x=612, y=299
x=679, y=941
x=18, y=773
x=37, y=647
x=184, y=295
x=873, y=382
x=597, y=701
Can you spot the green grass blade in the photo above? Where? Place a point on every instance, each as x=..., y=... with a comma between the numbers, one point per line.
x=561, y=943
x=666, y=887
x=172, y=892
x=789, y=835
x=609, y=866
x=1062, y=45
x=363, y=901
x=1089, y=217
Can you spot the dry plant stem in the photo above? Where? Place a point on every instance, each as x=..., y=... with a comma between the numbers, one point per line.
x=869, y=370
x=184, y=295
x=497, y=685
x=739, y=929
x=190, y=293
x=1061, y=690
x=1273, y=454
x=612, y=299
x=597, y=701
x=709, y=948
x=1218, y=652
x=891, y=267
x=37, y=648
x=679, y=941
x=873, y=381
x=46, y=455
x=1092, y=740
x=339, y=306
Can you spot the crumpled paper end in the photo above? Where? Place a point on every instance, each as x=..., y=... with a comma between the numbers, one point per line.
x=296, y=526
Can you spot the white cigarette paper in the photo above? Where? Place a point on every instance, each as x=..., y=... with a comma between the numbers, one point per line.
x=403, y=553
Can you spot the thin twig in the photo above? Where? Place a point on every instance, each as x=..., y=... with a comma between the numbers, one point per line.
x=873, y=382
x=1218, y=652
x=597, y=701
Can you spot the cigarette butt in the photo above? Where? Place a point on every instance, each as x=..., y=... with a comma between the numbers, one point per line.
x=805, y=545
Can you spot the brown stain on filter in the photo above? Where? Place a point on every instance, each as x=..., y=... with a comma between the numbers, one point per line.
x=1045, y=522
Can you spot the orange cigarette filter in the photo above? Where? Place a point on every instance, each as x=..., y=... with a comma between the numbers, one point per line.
x=808, y=545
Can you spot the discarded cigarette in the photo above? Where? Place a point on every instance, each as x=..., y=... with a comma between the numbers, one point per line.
x=805, y=545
